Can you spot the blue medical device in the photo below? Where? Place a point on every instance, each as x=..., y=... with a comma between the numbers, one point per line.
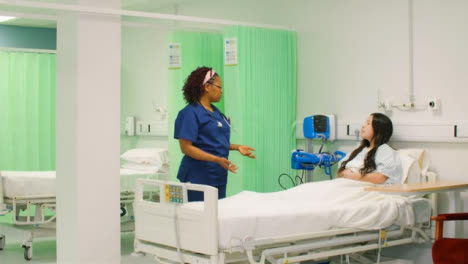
x=316, y=127
x=301, y=160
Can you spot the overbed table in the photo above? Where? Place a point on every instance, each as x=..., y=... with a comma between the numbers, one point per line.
x=454, y=228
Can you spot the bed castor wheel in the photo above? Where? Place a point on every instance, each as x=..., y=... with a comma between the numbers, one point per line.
x=27, y=252
x=2, y=242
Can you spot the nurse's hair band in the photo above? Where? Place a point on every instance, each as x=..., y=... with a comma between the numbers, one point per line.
x=208, y=76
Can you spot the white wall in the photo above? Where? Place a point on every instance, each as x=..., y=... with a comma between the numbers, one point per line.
x=348, y=50
x=144, y=79
x=358, y=47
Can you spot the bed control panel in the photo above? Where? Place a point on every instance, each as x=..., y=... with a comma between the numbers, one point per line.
x=174, y=193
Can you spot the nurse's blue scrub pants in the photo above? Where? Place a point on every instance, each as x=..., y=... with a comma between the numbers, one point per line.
x=194, y=196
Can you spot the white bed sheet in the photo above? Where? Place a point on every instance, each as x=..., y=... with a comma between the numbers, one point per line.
x=28, y=183
x=42, y=183
x=312, y=207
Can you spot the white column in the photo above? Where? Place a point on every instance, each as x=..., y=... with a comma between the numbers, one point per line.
x=87, y=137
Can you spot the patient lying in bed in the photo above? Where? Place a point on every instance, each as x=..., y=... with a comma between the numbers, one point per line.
x=308, y=208
x=373, y=161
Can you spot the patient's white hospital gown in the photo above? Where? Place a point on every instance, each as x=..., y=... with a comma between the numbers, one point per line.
x=386, y=159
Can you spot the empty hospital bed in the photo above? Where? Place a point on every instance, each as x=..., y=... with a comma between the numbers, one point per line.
x=30, y=198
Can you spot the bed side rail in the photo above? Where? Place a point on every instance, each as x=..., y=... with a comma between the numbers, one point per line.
x=190, y=226
x=3, y=208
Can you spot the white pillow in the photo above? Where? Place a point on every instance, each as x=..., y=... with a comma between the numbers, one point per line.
x=410, y=168
x=140, y=167
x=152, y=156
x=418, y=167
x=164, y=168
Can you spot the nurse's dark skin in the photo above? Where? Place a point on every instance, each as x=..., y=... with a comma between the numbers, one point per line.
x=212, y=93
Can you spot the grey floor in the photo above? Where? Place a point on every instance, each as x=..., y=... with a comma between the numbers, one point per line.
x=44, y=252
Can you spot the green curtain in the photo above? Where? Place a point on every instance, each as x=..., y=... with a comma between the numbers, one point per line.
x=197, y=49
x=260, y=98
x=27, y=111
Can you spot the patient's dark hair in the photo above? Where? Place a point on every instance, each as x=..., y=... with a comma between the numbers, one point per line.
x=383, y=130
x=193, y=87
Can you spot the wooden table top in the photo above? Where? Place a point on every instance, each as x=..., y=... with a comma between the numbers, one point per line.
x=419, y=187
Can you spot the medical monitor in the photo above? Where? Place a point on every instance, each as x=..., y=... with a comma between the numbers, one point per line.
x=319, y=126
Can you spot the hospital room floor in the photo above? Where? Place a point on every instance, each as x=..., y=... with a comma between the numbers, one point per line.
x=45, y=249
x=44, y=252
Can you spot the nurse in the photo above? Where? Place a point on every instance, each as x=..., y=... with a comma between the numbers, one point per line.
x=203, y=133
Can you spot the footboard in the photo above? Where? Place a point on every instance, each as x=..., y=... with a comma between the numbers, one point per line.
x=176, y=224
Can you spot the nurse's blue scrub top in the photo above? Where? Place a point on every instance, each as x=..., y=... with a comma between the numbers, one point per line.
x=208, y=131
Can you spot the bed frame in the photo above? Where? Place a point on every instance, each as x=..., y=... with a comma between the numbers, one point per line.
x=35, y=216
x=173, y=233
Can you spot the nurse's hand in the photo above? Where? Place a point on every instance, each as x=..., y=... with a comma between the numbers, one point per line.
x=225, y=163
x=246, y=151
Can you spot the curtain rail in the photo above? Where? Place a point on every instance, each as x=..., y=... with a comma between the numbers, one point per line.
x=27, y=50
x=110, y=11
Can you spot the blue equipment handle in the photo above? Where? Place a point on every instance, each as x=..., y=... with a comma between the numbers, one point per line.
x=339, y=155
x=308, y=161
x=304, y=157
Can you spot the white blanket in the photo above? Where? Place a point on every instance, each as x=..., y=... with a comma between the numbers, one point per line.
x=28, y=183
x=312, y=207
x=42, y=183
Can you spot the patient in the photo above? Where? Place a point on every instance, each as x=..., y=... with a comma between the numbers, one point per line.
x=373, y=161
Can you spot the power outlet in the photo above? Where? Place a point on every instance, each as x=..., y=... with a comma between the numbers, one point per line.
x=434, y=104
x=462, y=130
x=354, y=130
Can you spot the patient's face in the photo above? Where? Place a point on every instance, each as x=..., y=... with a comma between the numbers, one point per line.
x=367, y=132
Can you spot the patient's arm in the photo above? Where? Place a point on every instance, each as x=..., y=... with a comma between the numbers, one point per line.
x=373, y=177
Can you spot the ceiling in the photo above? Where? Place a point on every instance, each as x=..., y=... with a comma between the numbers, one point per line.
x=33, y=17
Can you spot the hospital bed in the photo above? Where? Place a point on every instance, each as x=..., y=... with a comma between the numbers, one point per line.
x=310, y=222
x=314, y=221
x=30, y=198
